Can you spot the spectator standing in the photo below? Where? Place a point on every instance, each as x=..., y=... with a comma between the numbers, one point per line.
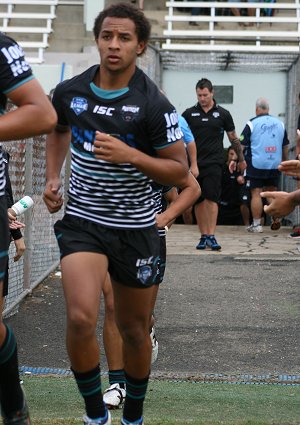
x=266, y=145
x=208, y=122
x=234, y=201
x=124, y=134
x=34, y=115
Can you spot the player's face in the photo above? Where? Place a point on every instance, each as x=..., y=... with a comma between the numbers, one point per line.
x=118, y=44
x=205, y=97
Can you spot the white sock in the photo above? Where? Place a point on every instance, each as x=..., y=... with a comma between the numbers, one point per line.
x=256, y=221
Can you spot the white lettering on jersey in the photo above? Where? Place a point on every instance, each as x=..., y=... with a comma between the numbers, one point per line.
x=171, y=119
x=174, y=134
x=195, y=114
x=103, y=110
x=13, y=54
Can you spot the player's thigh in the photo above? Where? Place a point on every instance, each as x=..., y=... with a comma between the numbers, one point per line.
x=133, y=306
x=83, y=274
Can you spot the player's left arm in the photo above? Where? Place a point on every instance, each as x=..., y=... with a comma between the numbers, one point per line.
x=188, y=195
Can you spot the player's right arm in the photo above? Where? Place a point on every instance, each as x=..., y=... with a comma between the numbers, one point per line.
x=57, y=146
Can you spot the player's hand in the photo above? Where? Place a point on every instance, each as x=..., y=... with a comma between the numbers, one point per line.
x=280, y=203
x=15, y=224
x=232, y=166
x=290, y=168
x=52, y=195
x=194, y=170
x=242, y=165
x=110, y=148
x=20, y=248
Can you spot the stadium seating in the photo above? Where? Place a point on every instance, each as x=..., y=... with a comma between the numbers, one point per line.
x=30, y=23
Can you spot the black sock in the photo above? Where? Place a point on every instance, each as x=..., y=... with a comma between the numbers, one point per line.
x=11, y=394
x=89, y=385
x=135, y=395
x=117, y=377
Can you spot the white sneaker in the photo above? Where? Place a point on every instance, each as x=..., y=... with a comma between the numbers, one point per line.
x=104, y=421
x=255, y=228
x=114, y=396
x=154, y=344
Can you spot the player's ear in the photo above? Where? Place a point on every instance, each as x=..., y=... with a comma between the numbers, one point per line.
x=140, y=48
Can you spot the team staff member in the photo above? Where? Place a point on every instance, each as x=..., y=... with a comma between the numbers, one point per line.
x=208, y=122
x=124, y=133
x=34, y=115
x=266, y=145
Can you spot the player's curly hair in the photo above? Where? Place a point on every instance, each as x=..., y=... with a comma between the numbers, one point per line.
x=125, y=10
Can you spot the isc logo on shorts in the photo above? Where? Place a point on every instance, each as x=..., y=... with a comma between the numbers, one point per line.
x=144, y=269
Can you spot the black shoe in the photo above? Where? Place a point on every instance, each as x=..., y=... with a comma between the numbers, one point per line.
x=18, y=418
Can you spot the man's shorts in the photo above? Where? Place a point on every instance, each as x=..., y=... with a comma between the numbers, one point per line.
x=261, y=183
x=245, y=193
x=133, y=255
x=163, y=258
x=210, y=180
x=4, y=241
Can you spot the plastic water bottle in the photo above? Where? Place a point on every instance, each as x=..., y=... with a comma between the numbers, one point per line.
x=22, y=205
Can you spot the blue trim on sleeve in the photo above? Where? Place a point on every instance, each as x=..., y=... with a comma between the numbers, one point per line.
x=31, y=77
x=157, y=148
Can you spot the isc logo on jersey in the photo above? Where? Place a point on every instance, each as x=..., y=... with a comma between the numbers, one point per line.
x=103, y=110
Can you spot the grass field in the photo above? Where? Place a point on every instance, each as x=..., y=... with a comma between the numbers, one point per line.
x=55, y=400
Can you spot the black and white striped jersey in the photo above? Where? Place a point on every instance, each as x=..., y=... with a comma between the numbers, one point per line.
x=14, y=71
x=114, y=195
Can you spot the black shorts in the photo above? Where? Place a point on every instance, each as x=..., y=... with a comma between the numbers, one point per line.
x=262, y=183
x=163, y=258
x=245, y=194
x=4, y=241
x=210, y=180
x=133, y=255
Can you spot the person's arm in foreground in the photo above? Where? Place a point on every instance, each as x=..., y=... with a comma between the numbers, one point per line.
x=169, y=168
x=34, y=115
x=290, y=168
x=57, y=146
x=190, y=192
x=281, y=203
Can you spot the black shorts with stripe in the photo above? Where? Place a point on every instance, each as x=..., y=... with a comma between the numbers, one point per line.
x=133, y=255
x=4, y=241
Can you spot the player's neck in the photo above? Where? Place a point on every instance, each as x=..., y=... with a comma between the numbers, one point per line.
x=107, y=80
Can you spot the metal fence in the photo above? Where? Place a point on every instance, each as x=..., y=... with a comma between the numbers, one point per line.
x=27, y=174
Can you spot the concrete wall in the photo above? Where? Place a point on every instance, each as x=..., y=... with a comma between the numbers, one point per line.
x=247, y=88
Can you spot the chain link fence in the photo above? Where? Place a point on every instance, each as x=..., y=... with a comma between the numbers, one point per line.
x=27, y=173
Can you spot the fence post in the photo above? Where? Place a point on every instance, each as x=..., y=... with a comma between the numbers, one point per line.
x=28, y=217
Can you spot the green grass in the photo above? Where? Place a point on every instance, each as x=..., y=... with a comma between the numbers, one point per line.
x=55, y=400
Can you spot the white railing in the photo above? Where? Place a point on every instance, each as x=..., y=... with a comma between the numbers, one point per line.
x=279, y=32
x=8, y=16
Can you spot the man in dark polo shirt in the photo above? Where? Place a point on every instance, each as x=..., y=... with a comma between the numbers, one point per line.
x=208, y=122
